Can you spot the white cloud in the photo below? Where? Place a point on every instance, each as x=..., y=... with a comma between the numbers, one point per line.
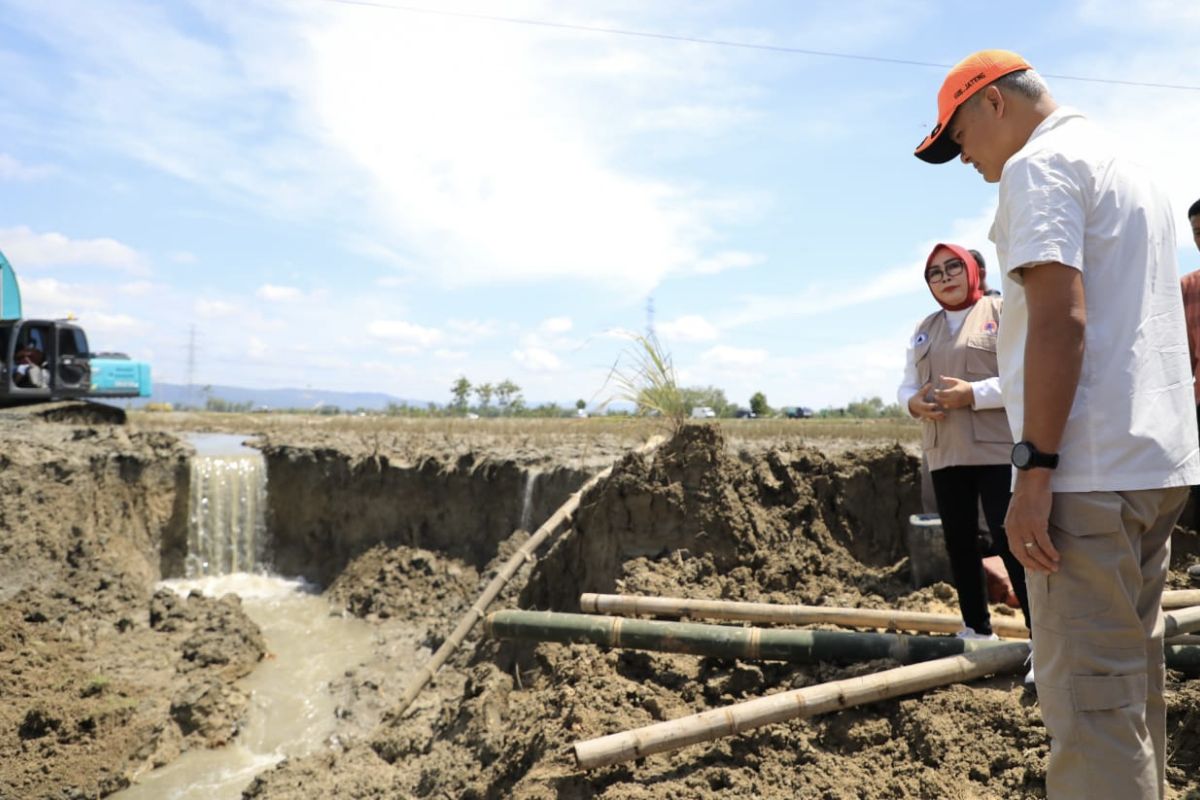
x=404, y=333
x=473, y=328
x=47, y=297
x=537, y=359
x=278, y=294
x=688, y=328
x=99, y=322
x=256, y=348
x=555, y=325
x=893, y=282
x=728, y=356
x=13, y=170
x=723, y=261
x=212, y=309
x=445, y=354
x=183, y=257
x=25, y=248
x=136, y=288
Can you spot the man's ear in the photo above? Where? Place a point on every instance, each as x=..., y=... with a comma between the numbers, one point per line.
x=994, y=101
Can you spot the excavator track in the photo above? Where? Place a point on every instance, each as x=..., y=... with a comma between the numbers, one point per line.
x=82, y=412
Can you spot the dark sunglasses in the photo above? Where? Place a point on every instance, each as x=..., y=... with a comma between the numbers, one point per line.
x=950, y=269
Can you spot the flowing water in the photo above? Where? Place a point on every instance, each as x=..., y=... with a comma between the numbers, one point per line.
x=291, y=711
x=527, y=500
x=227, y=526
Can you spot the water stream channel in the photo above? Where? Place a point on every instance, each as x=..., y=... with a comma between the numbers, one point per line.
x=291, y=711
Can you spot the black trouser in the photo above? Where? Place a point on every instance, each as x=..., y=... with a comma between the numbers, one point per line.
x=1196, y=489
x=959, y=491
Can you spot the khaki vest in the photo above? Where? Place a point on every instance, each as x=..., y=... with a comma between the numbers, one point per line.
x=966, y=437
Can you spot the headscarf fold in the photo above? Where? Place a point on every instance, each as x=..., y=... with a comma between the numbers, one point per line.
x=972, y=273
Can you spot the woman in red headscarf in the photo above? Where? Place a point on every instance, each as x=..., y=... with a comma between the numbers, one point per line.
x=951, y=385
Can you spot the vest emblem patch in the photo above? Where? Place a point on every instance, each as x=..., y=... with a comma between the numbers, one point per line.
x=920, y=339
x=990, y=327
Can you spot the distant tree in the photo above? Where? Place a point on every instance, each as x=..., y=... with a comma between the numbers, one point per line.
x=508, y=396
x=580, y=404
x=711, y=396
x=484, y=392
x=461, y=390
x=872, y=408
x=758, y=405
x=217, y=404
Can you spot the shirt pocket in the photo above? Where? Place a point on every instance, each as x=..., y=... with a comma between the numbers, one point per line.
x=981, y=356
x=923, y=362
x=991, y=425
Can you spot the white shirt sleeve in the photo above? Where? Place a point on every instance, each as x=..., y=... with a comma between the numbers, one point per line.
x=987, y=394
x=1044, y=207
x=910, y=384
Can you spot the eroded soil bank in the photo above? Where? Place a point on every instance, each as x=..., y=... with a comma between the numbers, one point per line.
x=786, y=525
x=103, y=678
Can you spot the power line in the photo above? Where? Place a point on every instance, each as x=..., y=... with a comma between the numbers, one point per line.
x=672, y=37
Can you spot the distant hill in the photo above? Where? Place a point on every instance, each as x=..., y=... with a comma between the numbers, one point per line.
x=196, y=396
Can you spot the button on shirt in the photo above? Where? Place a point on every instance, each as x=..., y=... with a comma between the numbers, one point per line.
x=1067, y=197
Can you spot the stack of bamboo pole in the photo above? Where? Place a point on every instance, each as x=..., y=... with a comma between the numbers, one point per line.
x=942, y=660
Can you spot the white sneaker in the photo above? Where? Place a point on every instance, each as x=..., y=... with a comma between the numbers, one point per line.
x=1029, y=681
x=969, y=633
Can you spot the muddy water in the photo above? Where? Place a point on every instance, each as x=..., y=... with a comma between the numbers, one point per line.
x=291, y=711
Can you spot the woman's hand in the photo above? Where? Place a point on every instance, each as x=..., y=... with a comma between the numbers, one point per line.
x=954, y=393
x=922, y=409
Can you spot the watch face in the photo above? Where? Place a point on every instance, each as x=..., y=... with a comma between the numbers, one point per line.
x=1021, y=455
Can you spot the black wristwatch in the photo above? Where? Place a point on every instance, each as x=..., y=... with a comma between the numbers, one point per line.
x=1026, y=456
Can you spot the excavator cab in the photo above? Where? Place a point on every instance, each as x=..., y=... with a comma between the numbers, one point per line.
x=49, y=359
x=42, y=360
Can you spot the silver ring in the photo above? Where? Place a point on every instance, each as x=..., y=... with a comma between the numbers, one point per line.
x=1029, y=545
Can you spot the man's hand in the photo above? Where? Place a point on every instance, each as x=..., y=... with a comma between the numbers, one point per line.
x=922, y=409
x=954, y=393
x=1028, y=521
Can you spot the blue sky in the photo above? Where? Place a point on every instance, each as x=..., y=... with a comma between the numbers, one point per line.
x=345, y=196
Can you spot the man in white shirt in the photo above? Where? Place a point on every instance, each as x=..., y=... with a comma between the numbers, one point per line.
x=1095, y=375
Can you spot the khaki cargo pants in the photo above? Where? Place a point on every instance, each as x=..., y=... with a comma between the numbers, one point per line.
x=1098, y=655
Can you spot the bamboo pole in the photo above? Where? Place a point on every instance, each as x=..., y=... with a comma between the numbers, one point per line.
x=1181, y=598
x=836, y=695
x=724, y=641
x=807, y=702
x=890, y=619
x=776, y=644
x=524, y=554
x=1182, y=620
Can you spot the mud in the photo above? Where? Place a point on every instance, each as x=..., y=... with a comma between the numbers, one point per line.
x=100, y=676
x=104, y=678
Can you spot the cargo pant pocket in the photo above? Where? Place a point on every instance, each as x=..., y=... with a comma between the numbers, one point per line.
x=1086, y=529
x=1107, y=692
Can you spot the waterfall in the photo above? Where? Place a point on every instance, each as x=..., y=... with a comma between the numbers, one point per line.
x=527, y=500
x=227, y=513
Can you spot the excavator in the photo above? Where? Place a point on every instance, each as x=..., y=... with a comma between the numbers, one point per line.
x=43, y=360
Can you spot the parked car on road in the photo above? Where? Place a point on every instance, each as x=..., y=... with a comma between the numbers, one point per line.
x=797, y=412
x=703, y=412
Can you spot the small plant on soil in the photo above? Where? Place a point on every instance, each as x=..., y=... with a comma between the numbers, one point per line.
x=644, y=375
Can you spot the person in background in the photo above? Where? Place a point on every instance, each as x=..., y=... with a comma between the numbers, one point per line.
x=950, y=384
x=983, y=284
x=1097, y=386
x=1190, y=284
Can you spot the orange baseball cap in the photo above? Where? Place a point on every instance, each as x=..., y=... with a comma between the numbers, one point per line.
x=965, y=79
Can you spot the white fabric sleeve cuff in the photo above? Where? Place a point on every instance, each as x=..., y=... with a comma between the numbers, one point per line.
x=905, y=394
x=987, y=394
